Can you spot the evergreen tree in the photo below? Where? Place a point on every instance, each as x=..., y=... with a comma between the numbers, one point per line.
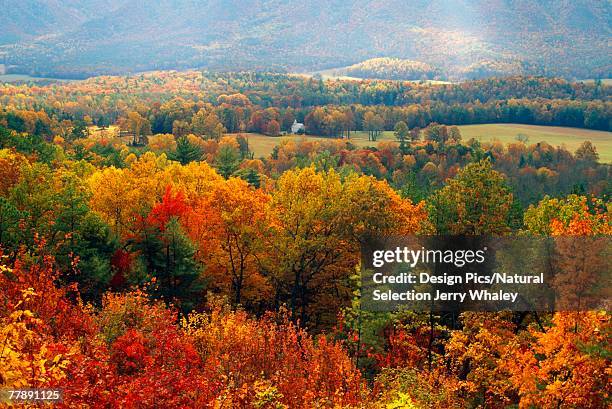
x=94, y=246
x=79, y=130
x=168, y=256
x=228, y=160
x=186, y=152
x=86, y=239
x=252, y=177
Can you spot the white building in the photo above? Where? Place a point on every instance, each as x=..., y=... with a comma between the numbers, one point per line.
x=297, y=127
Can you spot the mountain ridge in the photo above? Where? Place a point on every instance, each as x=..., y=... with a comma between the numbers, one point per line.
x=465, y=39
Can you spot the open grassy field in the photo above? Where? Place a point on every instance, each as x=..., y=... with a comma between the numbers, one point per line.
x=605, y=81
x=571, y=138
x=110, y=132
x=262, y=145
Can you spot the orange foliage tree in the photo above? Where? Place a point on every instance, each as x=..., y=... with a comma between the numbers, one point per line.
x=229, y=225
x=568, y=365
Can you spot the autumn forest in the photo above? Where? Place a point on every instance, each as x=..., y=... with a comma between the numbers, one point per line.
x=150, y=259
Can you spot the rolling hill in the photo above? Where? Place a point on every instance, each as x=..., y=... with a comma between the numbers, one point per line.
x=388, y=69
x=464, y=39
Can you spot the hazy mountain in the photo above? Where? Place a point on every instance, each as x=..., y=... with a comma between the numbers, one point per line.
x=461, y=38
x=23, y=20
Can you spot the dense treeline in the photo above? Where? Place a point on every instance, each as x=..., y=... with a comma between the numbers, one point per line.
x=187, y=114
x=332, y=120
x=268, y=103
x=315, y=91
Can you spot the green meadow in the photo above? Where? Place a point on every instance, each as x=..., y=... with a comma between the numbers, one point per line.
x=571, y=138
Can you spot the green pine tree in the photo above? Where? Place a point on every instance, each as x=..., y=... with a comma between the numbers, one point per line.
x=252, y=177
x=168, y=255
x=227, y=162
x=186, y=151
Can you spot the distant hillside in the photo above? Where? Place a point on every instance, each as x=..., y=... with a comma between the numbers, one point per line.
x=26, y=20
x=461, y=38
x=390, y=69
